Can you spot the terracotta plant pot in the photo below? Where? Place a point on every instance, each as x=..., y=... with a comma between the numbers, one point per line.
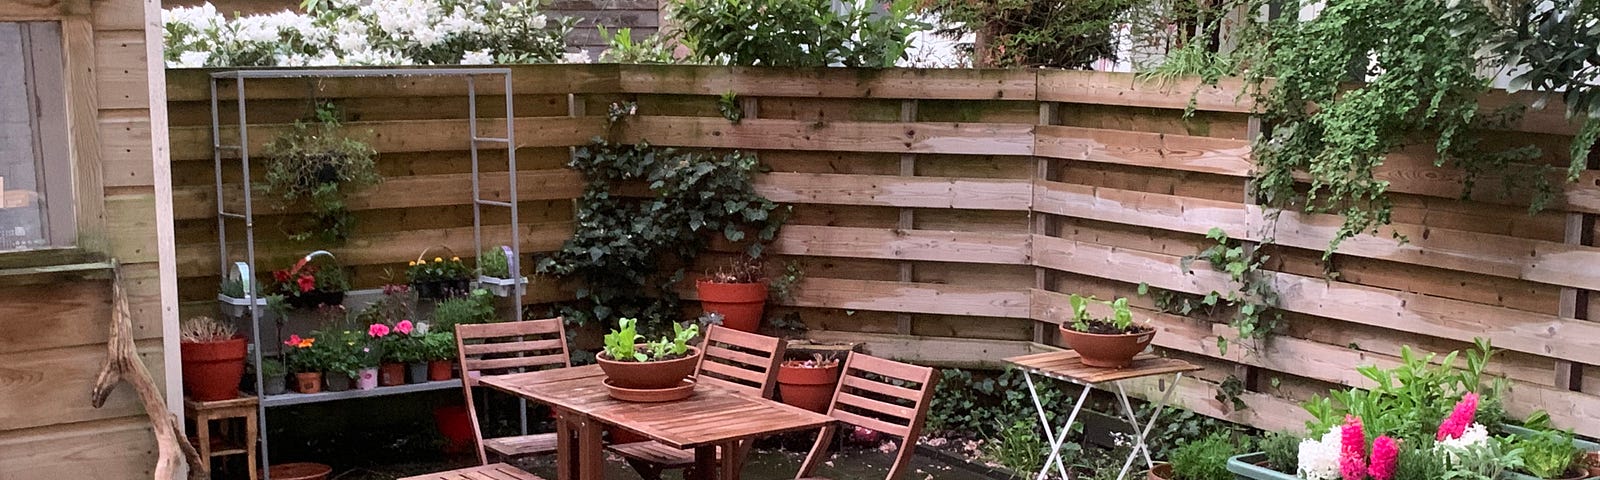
x=1106, y=351
x=740, y=304
x=649, y=375
x=337, y=381
x=367, y=378
x=454, y=426
x=417, y=372
x=211, y=371
x=439, y=370
x=807, y=387
x=391, y=374
x=1163, y=471
x=308, y=382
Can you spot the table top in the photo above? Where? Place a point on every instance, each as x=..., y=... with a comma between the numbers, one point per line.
x=1068, y=366
x=711, y=416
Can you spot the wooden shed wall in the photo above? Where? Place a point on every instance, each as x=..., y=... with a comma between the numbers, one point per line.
x=944, y=215
x=53, y=326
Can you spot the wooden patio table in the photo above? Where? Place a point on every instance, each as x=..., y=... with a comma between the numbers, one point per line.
x=712, y=417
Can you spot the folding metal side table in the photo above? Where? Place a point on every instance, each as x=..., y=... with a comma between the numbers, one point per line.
x=1067, y=366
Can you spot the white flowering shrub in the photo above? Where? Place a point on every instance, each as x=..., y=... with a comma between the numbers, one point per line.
x=375, y=32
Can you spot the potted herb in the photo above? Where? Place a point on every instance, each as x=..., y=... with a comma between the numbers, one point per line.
x=440, y=349
x=655, y=365
x=304, y=362
x=213, y=359
x=306, y=286
x=273, y=373
x=232, y=297
x=440, y=278
x=494, y=273
x=1109, y=342
x=1202, y=459
x=737, y=291
x=343, y=354
x=313, y=164
x=808, y=384
x=476, y=307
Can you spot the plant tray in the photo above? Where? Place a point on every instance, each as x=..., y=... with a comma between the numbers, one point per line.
x=501, y=287
x=236, y=307
x=1245, y=466
x=680, y=392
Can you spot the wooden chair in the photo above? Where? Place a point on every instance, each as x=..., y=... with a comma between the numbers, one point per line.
x=886, y=396
x=495, y=471
x=495, y=348
x=746, y=363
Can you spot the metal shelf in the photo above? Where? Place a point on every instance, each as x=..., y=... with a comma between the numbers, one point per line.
x=287, y=399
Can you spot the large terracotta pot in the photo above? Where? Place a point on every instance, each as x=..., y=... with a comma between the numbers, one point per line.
x=211, y=371
x=1163, y=471
x=649, y=375
x=807, y=387
x=454, y=426
x=740, y=304
x=391, y=374
x=439, y=370
x=1106, y=351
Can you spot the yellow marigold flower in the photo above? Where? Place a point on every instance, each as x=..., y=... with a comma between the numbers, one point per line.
x=455, y=259
x=438, y=259
x=421, y=262
x=413, y=263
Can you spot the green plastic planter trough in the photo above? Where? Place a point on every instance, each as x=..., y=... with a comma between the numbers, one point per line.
x=1245, y=466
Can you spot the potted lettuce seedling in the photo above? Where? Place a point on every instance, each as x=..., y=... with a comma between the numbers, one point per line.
x=494, y=273
x=655, y=365
x=1106, y=342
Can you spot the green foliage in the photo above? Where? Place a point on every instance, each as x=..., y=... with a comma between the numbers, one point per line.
x=438, y=345
x=1120, y=321
x=795, y=33
x=1409, y=400
x=438, y=269
x=314, y=164
x=1416, y=460
x=1551, y=46
x=1547, y=453
x=1018, y=447
x=273, y=368
x=965, y=404
x=234, y=287
x=1487, y=462
x=1254, y=299
x=728, y=105
x=1204, y=459
x=622, y=343
x=1283, y=451
x=620, y=48
x=476, y=307
x=1027, y=33
x=345, y=351
x=494, y=263
x=629, y=252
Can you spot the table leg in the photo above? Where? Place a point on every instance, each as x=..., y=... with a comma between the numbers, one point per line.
x=202, y=428
x=732, y=461
x=565, y=458
x=1053, y=438
x=250, y=437
x=1139, y=445
x=705, y=463
x=591, y=451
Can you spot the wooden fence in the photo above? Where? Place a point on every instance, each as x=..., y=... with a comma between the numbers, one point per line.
x=944, y=215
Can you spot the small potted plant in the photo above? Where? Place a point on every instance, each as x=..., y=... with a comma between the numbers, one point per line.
x=439, y=279
x=1201, y=459
x=392, y=371
x=1109, y=342
x=232, y=298
x=440, y=349
x=808, y=384
x=342, y=355
x=655, y=365
x=306, y=286
x=409, y=350
x=304, y=362
x=737, y=291
x=213, y=359
x=475, y=307
x=273, y=376
x=494, y=273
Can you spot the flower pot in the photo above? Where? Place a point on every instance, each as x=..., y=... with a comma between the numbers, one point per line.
x=501, y=287
x=649, y=375
x=391, y=374
x=809, y=388
x=1162, y=471
x=314, y=299
x=417, y=372
x=336, y=381
x=439, y=370
x=1249, y=466
x=235, y=307
x=308, y=382
x=740, y=304
x=455, y=427
x=367, y=378
x=1106, y=351
x=211, y=371
x=274, y=385
x=1576, y=473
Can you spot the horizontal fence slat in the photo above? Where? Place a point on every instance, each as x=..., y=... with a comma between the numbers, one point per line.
x=1220, y=156
x=888, y=243
x=895, y=191
x=196, y=202
x=955, y=84
x=396, y=136
x=1130, y=90
x=778, y=134
x=200, y=259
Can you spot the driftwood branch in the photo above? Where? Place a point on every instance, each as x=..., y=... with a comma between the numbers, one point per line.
x=122, y=363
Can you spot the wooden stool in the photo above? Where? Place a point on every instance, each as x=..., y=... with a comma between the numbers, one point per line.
x=228, y=440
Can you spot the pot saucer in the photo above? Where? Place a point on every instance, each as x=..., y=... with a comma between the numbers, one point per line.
x=680, y=392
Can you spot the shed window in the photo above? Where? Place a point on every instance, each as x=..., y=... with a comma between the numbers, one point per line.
x=35, y=167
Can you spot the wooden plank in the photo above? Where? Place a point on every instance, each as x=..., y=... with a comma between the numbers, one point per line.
x=194, y=143
x=75, y=313
x=775, y=134
x=1176, y=152
x=1127, y=89
x=1264, y=411
x=121, y=15
x=891, y=296
x=104, y=449
x=1537, y=334
x=83, y=132
x=937, y=351
x=895, y=191
x=121, y=74
x=39, y=374
x=894, y=83
x=131, y=227
x=200, y=259
x=897, y=244
x=25, y=10
x=196, y=202
x=124, y=143
x=193, y=85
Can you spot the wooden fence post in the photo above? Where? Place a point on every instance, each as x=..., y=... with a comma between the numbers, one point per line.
x=908, y=168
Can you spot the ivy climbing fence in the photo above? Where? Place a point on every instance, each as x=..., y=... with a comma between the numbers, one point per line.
x=943, y=216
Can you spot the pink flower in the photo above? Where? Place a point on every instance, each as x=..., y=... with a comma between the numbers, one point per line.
x=1385, y=451
x=404, y=327
x=377, y=330
x=1352, y=449
x=1459, y=419
x=294, y=339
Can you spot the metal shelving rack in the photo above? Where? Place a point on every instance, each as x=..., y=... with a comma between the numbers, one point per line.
x=239, y=78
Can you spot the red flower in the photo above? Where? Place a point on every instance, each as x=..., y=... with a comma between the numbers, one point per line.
x=281, y=276
x=307, y=283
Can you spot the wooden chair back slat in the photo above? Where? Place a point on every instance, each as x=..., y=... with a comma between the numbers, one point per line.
x=871, y=423
x=517, y=362
x=905, y=414
x=856, y=401
x=512, y=329
x=535, y=345
x=507, y=347
x=896, y=391
x=740, y=361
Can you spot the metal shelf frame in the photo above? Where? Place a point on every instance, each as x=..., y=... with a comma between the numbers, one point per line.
x=239, y=78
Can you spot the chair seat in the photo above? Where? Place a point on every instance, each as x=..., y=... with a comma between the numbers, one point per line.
x=657, y=453
x=518, y=447
x=495, y=471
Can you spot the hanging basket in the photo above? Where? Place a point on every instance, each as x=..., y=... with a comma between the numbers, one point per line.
x=439, y=289
x=316, y=297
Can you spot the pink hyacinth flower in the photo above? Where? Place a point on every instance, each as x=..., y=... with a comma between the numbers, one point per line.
x=377, y=330
x=1385, y=452
x=404, y=327
x=1352, y=449
x=294, y=339
x=1459, y=419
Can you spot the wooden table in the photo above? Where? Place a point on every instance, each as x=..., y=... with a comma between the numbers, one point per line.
x=1068, y=366
x=712, y=417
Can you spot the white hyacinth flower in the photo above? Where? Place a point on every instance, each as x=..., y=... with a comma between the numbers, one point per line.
x=1319, y=459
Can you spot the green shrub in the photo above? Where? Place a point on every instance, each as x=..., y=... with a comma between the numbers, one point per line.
x=1283, y=451
x=1204, y=459
x=476, y=307
x=795, y=33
